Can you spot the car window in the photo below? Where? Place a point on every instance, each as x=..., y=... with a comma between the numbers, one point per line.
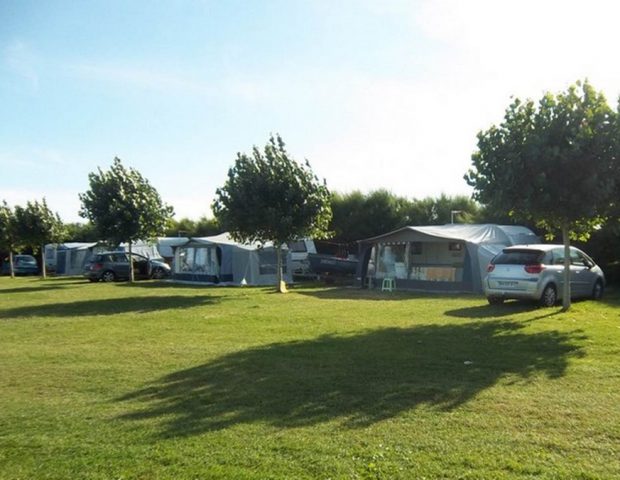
x=518, y=257
x=558, y=256
x=577, y=259
x=119, y=258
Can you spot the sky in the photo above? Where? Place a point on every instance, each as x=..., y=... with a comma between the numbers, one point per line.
x=375, y=94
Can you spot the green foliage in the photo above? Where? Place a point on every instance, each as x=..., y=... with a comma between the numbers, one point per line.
x=81, y=232
x=123, y=206
x=268, y=196
x=357, y=216
x=553, y=163
x=37, y=225
x=186, y=227
x=8, y=229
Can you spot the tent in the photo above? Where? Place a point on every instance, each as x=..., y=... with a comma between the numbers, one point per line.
x=68, y=258
x=166, y=246
x=219, y=259
x=443, y=257
x=146, y=249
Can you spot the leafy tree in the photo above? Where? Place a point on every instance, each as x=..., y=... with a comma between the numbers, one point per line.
x=186, y=227
x=268, y=196
x=37, y=225
x=8, y=233
x=553, y=163
x=81, y=232
x=124, y=207
x=357, y=216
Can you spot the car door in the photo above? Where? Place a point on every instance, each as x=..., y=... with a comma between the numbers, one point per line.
x=581, y=276
x=586, y=278
x=121, y=265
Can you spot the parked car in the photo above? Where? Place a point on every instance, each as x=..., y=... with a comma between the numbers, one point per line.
x=111, y=266
x=536, y=272
x=22, y=265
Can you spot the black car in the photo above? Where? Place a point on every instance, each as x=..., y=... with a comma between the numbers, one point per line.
x=111, y=266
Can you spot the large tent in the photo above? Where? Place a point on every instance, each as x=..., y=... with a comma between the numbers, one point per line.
x=69, y=258
x=219, y=259
x=444, y=257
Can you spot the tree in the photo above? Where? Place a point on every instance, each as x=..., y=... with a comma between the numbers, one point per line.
x=124, y=207
x=186, y=227
x=37, y=225
x=81, y=232
x=8, y=233
x=553, y=163
x=268, y=196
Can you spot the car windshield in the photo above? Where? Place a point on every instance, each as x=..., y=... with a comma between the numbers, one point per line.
x=518, y=257
x=25, y=259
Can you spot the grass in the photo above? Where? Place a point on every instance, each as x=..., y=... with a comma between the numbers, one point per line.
x=156, y=381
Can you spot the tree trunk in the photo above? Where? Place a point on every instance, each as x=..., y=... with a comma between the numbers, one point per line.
x=11, y=267
x=43, y=270
x=281, y=284
x=131, y=273
x=566, y=286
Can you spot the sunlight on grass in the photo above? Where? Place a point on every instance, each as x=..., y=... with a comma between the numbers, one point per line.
x=155, y=380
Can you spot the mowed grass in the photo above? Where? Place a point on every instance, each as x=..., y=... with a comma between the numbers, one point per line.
x=154, y=381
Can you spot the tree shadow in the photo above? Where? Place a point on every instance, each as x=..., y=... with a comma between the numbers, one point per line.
x=110, y=306
x=356, y=293
x=497, y=311
x=37, y=288
x=357, y=380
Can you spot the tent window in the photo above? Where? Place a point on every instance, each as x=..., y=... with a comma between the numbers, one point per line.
x=455, y=246
x=392, y=261
x=415, y=248
x=298, y=247
x=268, y=263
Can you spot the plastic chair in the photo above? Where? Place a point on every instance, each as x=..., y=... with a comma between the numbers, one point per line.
x=388, y=284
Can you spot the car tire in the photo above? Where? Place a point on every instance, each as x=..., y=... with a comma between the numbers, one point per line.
x=549, y=296
x=495, y=300
x=597, y=290
x=158, y=274
x=108, y=276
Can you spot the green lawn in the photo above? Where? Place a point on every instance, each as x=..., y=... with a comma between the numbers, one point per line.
x=153, y=381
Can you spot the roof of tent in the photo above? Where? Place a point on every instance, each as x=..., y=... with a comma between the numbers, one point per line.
x=477, y=234
x=76, y=245
x=225, y=239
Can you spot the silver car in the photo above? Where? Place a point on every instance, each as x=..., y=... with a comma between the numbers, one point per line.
x=536, y=272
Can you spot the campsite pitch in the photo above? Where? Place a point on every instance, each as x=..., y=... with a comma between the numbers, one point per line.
x=158, y=381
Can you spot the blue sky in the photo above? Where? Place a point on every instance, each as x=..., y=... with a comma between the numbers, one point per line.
x=375, y=94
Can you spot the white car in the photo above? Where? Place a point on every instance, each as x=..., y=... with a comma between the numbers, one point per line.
x=536, y=272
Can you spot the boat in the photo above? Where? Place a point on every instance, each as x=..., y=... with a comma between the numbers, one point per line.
x=322, y=264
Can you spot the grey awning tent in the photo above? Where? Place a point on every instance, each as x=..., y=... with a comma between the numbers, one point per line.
x=443, y=257
x=221, y=260
x=68, y=258
x=166, y=246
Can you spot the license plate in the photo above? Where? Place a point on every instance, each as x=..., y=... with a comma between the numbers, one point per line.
x=508, y=284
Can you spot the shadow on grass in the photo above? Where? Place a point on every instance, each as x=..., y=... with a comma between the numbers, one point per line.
x=497, y=311
x=357, y=380
x=33, y=289
x=109, y=306
x=356, y=293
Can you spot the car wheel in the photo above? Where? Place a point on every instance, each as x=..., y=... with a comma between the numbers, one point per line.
x=108, y=276
x=158, y=274
x=549, y=296
x=495, y=300
x=597, y=291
